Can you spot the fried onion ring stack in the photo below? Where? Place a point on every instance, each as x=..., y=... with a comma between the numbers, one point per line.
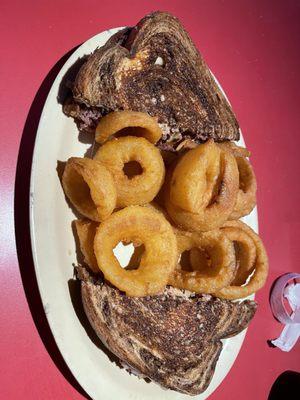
x=192, y=239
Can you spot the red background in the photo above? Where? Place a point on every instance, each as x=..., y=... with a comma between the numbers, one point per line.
x=253, y=49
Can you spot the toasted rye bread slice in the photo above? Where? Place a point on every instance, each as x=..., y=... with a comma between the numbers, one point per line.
x=154, y=67
x=172, y=338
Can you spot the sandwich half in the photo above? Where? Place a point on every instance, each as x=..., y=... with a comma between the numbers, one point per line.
x=153, y=67
x=173, y=338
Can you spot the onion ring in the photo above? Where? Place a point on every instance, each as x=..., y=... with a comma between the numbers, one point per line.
x=260, y=267
x=222, y=255
x=246, y=198
x=194, y=175
x=202, y=190
x=90, y=187
x=235, y=150
x=245, y=253
x=140, y=189
x=86, y=231
x=141, y=225
x=130, y=123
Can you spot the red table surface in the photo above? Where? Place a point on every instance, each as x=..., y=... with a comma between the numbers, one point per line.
x=253, y=49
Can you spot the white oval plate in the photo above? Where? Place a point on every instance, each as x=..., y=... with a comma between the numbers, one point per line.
x=54, y=253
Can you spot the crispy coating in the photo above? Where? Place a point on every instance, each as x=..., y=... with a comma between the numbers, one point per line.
x=86, y=231
x=90, y=187
x=246, y=198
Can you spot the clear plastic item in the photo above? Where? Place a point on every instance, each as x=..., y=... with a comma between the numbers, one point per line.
x=287, y=287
